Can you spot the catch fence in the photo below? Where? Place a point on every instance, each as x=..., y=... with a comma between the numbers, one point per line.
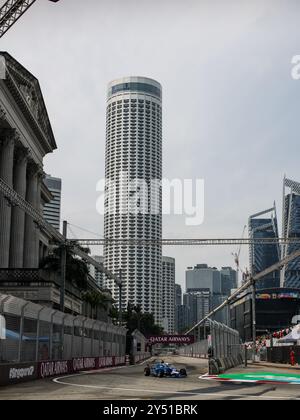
x=35, y=333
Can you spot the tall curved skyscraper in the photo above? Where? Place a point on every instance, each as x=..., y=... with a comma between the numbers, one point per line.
x=133, y=170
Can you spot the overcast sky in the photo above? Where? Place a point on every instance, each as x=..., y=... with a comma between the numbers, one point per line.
x=230, y=105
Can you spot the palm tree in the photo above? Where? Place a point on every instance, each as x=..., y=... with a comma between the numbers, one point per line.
x=97, y=300
x=76, y=269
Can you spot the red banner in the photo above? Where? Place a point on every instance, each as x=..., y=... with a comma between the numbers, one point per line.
x=54, y=368
x=60, y=367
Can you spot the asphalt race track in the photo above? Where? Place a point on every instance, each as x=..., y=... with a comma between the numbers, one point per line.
x=129, y=383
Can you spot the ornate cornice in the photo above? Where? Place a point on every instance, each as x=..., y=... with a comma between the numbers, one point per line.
x=26, y=91
x=8, y=135
x=34, y=169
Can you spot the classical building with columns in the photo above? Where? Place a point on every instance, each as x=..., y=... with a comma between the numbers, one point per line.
x=26, y=137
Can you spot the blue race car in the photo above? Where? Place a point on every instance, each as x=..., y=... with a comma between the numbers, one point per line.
x=162, y=369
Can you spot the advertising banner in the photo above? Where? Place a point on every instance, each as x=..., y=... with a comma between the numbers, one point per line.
x=54, y=368
x=77, y=364
x=84, y=363
x=171, y=339
x=104, y=362
x=278, y=295
x=16, y=373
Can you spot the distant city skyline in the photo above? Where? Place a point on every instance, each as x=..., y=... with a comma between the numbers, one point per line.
x=230, y=103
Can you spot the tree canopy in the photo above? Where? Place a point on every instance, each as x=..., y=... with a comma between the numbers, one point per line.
x=76, y=269
x=144, y=322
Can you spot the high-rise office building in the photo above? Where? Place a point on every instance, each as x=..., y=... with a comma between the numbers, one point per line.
x=203, y=277
x=168, y=294
x=263, y=256
x=133, y=208
x=178, y=295
x=291, y=229
x=178, y=303
x=203, y=303
x=95, y=273
x=205, y=291
x=228, y=280
x=182, y=318
x=221, y=316
x=190, y=301
x=52, y=210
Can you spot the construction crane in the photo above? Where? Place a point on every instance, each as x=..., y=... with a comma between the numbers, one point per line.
x=236, y=256
x=11, y=12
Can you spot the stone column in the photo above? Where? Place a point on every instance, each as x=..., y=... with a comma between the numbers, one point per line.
x=6, y=174
x=18, y=215
x=40, y=177
x=30, y=238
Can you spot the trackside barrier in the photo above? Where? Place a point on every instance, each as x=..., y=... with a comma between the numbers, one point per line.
x=217, y=366
x=222, y=347
x=198, y=350
x=11, y=374
x=281, y=354
x=36, y=333
x=138, y=358
x=15, y=373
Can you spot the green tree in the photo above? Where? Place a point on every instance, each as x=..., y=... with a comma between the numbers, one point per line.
x=148, y=326
x=114, y=314
x=76, y=269
x=97, y=300
x=144, y=322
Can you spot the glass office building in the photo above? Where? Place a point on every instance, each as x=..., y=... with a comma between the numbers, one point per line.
x=168, y=294
x=292, y=230
x=52, y=210
x=262, y=255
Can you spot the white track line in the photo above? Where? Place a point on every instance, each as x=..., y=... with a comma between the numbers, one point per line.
x=203, y=394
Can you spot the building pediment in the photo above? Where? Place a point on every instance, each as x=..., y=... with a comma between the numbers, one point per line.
x=27, y=93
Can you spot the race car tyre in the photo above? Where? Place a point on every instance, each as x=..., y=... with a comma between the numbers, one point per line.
x=182, y=372
x=147, y=372
x=161, y=374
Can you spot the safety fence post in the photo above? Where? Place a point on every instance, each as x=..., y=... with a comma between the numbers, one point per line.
x=21, y=330
x=37, y=344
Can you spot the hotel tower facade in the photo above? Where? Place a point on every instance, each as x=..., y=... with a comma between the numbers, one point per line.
x=133, y=165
